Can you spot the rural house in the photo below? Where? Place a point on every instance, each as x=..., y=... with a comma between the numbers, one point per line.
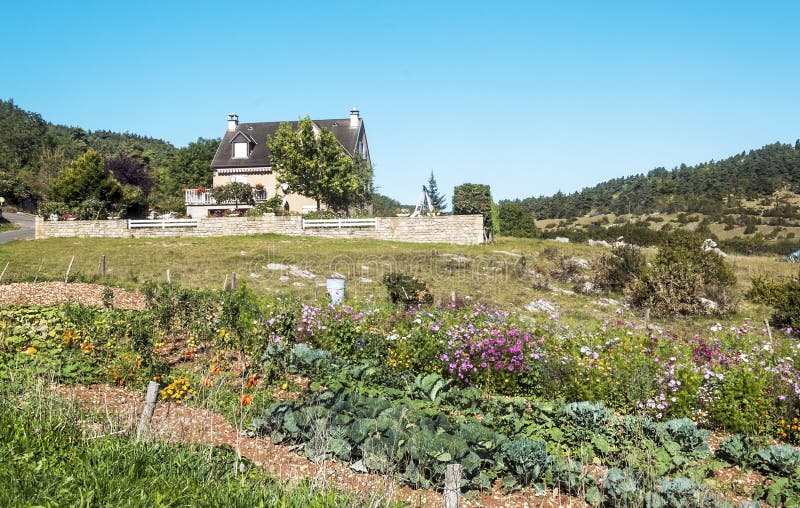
x=243, y=156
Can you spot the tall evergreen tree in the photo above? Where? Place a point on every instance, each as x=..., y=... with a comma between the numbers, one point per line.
x=437, y=199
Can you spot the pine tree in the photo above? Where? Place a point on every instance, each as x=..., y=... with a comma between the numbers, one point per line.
x=437, y=199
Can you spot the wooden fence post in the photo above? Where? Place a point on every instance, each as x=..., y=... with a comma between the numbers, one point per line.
x=452, y=486
x=233, y=280
x=646, y=318
x=149, y=408
x=4, y=271
x=169, y=277
x=103, y=265
x=769, y=330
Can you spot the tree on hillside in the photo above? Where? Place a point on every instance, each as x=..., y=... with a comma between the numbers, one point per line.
x=316, y=166
x=516, y=220
x=130, y=171
x=438, y=201
x=86, y=177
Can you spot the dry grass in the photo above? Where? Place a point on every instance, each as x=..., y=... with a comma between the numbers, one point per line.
x=492, y=274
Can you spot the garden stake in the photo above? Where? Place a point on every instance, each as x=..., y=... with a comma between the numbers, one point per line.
x=36, y=277
x=769, y=331
x=4, y=272
x=69, y=268
x=149, y=408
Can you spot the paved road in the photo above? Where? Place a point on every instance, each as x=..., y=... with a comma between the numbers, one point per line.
x=26, y=227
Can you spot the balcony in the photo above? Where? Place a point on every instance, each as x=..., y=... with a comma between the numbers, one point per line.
x=192, y=197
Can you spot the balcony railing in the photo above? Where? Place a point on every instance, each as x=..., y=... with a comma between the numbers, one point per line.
x=192, y=197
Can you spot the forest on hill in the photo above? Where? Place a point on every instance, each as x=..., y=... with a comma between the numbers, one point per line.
x=713, y=188
x=151, y=173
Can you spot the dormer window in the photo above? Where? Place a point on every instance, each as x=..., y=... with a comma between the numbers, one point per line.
x=240, y=150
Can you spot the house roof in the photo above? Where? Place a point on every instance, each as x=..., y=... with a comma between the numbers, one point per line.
x=259, y=152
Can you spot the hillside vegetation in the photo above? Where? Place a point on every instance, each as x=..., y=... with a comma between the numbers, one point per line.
x=715, y=187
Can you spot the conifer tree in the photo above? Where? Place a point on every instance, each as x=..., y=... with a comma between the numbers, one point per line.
x=437, y=199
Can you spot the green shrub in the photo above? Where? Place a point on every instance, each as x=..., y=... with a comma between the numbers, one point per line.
x=516, y=220
x=473, y=198
x=406, y=289
x=619, y=269
x=782, y=295
x=682, y=275
x=57, y=208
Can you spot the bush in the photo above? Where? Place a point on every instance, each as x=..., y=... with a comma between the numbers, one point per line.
x=682, y=276
x=473, y=198
x=622, y=267
x=783, y=296
x=407, y=289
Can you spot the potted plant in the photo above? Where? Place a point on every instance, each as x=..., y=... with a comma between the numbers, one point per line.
x=201, y=189
x=259, y=186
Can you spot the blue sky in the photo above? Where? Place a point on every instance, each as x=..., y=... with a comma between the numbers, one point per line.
x=529, y=97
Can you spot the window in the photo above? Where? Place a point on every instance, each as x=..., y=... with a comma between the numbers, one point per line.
x=239, y=178
x=240, y=150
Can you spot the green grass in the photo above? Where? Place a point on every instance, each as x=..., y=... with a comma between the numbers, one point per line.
x=490, y=274
x=7, y=225
x=46, y=459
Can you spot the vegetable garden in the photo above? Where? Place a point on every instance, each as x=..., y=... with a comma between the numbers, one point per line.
x=617, y=415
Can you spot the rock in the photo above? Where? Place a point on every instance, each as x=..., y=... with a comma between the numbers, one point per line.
x=299, y=272
x=365, y=280
x=276, y=266
x=541, y=305
x=283, y=278
x=709, y=305
x=561, y=239
x=599, y=243
x=580, y=263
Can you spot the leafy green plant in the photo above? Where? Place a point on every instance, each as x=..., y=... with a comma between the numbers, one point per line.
x=527, y=458
x=406, y=289
x=621, y=488
x=588, y=415
x=782, y=460
x=683, y=492
x=738, y=450
x=687, y=436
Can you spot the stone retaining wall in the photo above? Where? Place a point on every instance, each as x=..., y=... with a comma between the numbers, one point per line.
x=455, y=229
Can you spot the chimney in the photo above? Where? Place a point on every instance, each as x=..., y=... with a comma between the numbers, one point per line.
x=233, y=121
x=354, y=118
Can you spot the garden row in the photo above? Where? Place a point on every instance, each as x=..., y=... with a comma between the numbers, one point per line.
x=408, y=390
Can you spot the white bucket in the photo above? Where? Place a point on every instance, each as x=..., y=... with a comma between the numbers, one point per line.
x=335, y=289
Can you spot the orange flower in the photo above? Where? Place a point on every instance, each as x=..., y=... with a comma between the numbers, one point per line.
x=189, y=354
x=247, y=399
x=252, y=382
x=30, y=351
x=214, y=369
x=207, y=382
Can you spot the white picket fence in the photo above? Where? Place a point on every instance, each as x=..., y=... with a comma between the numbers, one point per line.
x=162, y=223
x=340, y=223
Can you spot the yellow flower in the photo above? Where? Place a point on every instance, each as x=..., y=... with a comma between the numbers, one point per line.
x=30, y=351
